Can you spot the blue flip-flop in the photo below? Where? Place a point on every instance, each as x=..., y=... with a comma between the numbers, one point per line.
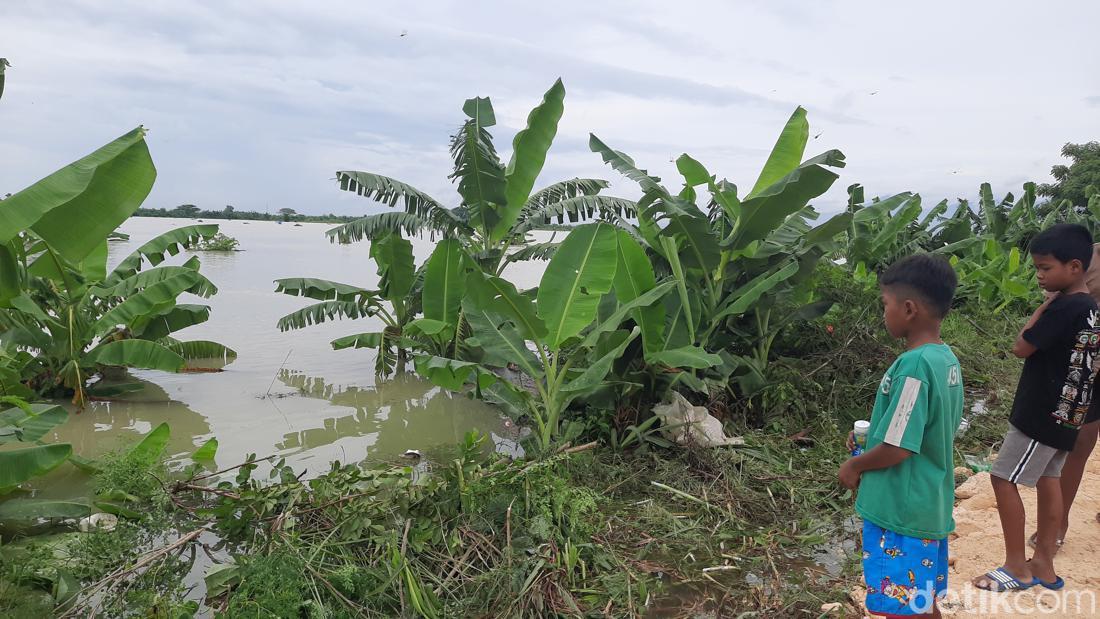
x=1053, y=586
x=1058, y=581
x=1007, y=582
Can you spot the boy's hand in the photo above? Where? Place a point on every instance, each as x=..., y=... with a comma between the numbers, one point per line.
x=849, y=475
x=851, y=443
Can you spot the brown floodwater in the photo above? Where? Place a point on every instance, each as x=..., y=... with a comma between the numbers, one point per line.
x=287, y=394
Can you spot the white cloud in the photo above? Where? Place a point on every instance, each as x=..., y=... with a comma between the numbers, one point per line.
x=257, y=104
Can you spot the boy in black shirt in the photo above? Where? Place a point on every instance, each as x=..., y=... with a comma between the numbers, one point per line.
x=1061, y=345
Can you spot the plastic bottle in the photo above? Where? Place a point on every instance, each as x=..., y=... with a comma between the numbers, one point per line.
x=860, y=430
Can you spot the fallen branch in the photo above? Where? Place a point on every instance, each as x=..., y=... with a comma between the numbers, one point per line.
x=232, y=468
x=580, y=448
x=112, y=579
x=218, y=491
x=682, y=494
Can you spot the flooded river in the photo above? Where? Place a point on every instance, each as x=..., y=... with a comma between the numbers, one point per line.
x=287, y=393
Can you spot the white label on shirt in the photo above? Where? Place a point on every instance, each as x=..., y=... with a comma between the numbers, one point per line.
x=900, y=421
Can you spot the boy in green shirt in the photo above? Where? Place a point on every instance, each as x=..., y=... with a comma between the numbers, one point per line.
x=905, y=476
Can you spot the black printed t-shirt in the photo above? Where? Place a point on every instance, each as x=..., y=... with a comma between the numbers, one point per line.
x=1055, y=387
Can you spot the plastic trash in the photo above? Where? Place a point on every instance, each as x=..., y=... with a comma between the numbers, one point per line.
x=101, y=522
x=976, y=464
x=693, y=424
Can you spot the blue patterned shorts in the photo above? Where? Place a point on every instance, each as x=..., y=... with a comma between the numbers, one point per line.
x=903, y=574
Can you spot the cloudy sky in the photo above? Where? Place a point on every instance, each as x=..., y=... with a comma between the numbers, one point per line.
x=257, y=104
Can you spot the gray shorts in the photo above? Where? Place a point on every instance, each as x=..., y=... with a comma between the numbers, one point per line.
x=1023, y=460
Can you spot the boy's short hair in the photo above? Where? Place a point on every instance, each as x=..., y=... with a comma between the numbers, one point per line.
x=929, y=277
x=1065, y=242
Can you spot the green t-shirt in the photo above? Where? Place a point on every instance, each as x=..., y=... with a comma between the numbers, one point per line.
x=918, y=407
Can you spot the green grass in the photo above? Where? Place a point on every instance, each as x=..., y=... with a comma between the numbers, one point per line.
x=678, y=530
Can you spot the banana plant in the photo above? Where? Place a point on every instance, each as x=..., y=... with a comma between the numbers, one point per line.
x=498, y=206
x=557, y=336
x=497, y=210
x=736, y=261
x=395, y=302
x=989, y=276
x=886, y=229
x=65, y=314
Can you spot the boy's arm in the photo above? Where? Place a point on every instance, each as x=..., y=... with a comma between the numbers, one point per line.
x=882, y=456
x=1023, y=348
x=900, y=433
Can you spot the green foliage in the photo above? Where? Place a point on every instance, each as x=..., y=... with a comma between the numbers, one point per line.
x=987, y=246
x=498, y=208
x=74, y=209
x=992, y=278
x=479, y=535
x=1073, y=181
x=274, y=585
x=206, y=451
x=67, y=317
x=736, y=262
x=396, y=303
x=219, y=242
x=26, y=424
x=558, y=341
x=20, y=465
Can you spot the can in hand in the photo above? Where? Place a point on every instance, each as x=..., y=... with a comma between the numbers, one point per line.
x=859, y=432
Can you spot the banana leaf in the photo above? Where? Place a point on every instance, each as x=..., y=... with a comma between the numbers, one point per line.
x=157, y=249
x=152, y=445
x=786, y=154
x=76, y=207
x=633, y=278
x=528, y=156
x=444, y=283
x=321, y=289
x=32, y=509
x=396, y=268
x=499, y=340
x=17, y=424
x=136, y=354
x=21, y=465
x=578, y=275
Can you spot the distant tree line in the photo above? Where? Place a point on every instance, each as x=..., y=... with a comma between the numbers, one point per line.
x=284, y=214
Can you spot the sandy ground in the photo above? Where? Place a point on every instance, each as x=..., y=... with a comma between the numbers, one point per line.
x=977, y=547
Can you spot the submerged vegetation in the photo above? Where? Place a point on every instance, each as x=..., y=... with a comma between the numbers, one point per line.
x=218, y=242
x=749, y=304
x=64, y=318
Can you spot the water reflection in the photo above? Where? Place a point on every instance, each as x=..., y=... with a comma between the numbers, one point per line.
x=330, y=408
x=123, y=421
x=103, y=427
x=392, y=417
